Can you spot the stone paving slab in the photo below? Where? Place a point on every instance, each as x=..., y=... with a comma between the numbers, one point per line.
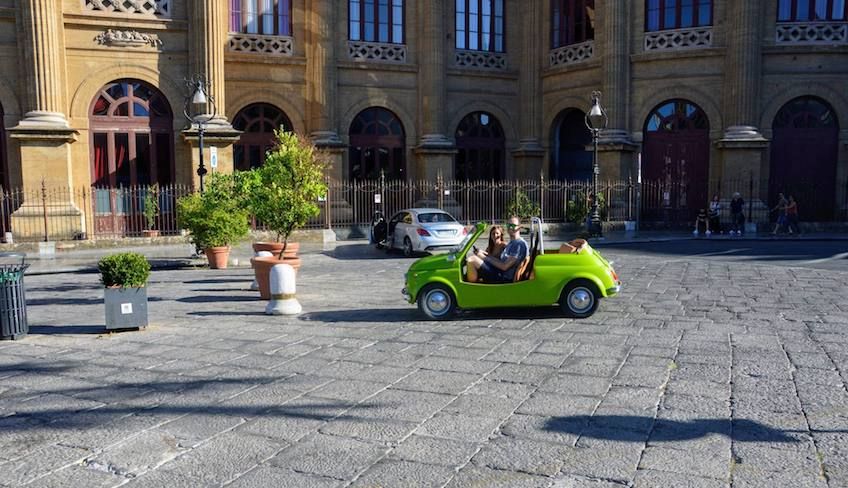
x=702, y=373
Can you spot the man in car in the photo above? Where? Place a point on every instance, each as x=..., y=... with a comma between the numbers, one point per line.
x=499, y=269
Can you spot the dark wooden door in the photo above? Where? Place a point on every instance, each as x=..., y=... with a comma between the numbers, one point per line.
x=677, y=166
x=803, y=164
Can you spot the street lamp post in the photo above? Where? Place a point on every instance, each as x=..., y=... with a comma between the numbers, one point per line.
x=596, y=120
x=199, y=109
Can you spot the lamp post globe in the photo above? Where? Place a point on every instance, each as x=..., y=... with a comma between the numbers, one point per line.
x=596, y=120
x=199, y=110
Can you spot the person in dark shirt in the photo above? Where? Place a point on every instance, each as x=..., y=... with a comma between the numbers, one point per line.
x=737, y=218
x=500, y=269
x=702, y=223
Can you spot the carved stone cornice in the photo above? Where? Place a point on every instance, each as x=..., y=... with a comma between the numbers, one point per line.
x=127, y=38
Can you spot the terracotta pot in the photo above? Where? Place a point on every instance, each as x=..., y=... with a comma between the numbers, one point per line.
x=150, y=233
x=262, y=271
x=272, y=247
x=217, y=256
x=291, y=251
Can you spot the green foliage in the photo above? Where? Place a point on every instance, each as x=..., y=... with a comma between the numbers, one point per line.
x=282, y=193
x=577, y=208
x=126, y=269
x=522, y=207
x=216, y=217
x=151, y=205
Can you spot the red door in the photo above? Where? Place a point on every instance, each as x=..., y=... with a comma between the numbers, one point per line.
x=804, y=147
x=675, y=163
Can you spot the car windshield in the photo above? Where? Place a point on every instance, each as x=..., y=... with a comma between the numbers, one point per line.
x=435, y=217
x=459, y=247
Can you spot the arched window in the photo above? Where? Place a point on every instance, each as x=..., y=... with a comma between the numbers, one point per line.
x=266, y=17
x=376, y=145
x=572, y=22
x=677, y=14
x=570, y=160
x=258, y=122
x=480, y=25
x=804, y=155
x=811, y=10
x=676, y=116
x=376, y=21
x=131, y=135
x=480, y=143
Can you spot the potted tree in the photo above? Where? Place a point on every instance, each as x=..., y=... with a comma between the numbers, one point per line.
x=215, y=218
x=124, y=276
x=283, y=195
x=150, y=210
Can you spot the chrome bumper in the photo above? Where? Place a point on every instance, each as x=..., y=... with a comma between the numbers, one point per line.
x=406, y=295
x=615, y=289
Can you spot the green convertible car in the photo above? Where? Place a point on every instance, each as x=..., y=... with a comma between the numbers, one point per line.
x=574, y=281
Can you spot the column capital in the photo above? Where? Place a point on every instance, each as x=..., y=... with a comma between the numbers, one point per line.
x=44, y=126
x=742, y=137
x=326, y=139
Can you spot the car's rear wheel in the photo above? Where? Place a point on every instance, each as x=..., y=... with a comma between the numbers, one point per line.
x=407, y=247
x=437, y=302
x=579, y=299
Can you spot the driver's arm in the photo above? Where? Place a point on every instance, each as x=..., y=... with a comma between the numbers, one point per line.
x=502, y=265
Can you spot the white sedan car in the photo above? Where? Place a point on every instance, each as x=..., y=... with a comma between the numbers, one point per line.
x=423, y=230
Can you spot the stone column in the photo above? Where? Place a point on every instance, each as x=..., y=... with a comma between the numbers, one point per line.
x=435, y=151
x=617, y=151
x=321, y=83
x=43, y=134
x=742, y=146
x=530, y=155
x=207, y=43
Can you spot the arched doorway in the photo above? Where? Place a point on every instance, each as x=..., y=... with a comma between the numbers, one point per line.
x=570, y=160
x=480, y=148
x=804, y=146
x=675, y=161
x=376, y=144
x=131, y=126
x=258, y=122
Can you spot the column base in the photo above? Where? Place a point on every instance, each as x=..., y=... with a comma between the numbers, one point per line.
x=529, y=159
x=64, y=221
x=434, y=158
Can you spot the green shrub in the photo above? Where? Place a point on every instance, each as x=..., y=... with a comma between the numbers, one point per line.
x=126, y=269
x=577, y=209
x=282, y=193
x=522, y=207
x=151, y=205
x=216, y=217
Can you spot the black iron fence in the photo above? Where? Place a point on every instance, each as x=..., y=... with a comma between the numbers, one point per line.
x=94, y=212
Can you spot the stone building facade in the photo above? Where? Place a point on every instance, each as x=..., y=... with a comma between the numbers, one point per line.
x=704, y=91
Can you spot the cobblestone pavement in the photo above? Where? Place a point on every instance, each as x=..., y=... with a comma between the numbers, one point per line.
x=702, y=373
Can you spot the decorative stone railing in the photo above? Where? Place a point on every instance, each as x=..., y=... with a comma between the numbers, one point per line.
x=259, y=44
x=692, y=38
x=480, y=59
x=812, y=33
x=376, y=51
x=160, y=8
x=572, y=54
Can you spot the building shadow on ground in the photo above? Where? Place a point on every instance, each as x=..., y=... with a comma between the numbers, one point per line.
x=352, y=252
x=67, y=329
x=632, y=428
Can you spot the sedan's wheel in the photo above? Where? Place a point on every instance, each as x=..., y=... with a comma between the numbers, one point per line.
x=437, y=302
x=579, y=299
x=407, y=247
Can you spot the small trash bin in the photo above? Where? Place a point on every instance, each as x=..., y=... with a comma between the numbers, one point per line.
x=13, y=319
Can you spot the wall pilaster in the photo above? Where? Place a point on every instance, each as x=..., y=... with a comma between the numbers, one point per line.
x=530, y=155
x=322, y=82
x=617, y=150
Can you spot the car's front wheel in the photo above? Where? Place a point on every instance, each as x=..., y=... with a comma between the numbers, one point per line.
x=579, y=299
x=437, y=302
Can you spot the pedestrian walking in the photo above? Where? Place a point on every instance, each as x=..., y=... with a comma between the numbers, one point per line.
x=780, y=225
x=792, y=215
x=715, y=214
x=737, y=217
